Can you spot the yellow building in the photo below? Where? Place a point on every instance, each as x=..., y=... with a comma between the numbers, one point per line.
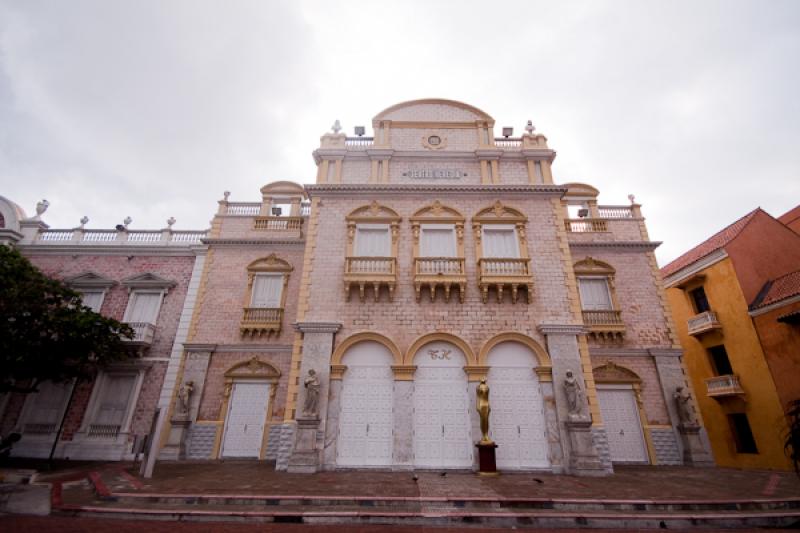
x=711, y=288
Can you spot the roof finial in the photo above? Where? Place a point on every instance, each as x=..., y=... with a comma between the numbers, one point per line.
x=127, y=222
x=529, y=127
x=84, y=220
x=41, y=207
x=337, y=127
x=632, y=198
x=225, y=195
x=170, y=222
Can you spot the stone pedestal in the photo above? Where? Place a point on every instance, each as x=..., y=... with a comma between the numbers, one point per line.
x=583, y=459
x=305, y=455
x=175, y=448
x=694, y=452
x=487, y=458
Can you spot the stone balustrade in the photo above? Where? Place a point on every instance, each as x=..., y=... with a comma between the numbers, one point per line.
x=143, y=333
x=604, y=324
x=258, y=321
x=703, y=323
x=272, y=223
x=615, y=211
x=97, y=237
x=374, y=272
x=585, y=225
x=727, y=385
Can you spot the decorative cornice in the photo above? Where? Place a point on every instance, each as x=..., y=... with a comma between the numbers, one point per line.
x=323, y=190
x=193, y=347
x=90, y=280
x=260, y=348
x=148, y=280
x=665, y=352
x=694, y=268
x=66, y=249
x=317, y=327
x=562, y=329
x=634, y=352
x=632, y=246
x=7, y=234
x=254, y=242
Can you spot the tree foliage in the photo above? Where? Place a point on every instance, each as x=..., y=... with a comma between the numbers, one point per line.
x=46, y=333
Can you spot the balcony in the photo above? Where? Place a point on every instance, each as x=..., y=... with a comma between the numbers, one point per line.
x=104, y=431
x=445, y=272
x=259, y=321
x=271, y=223
x=604, y=324
x=502, y=273
x=585, y=225
x=721, y=386
x=143, y=333
x=370, y=272
x=703, y=323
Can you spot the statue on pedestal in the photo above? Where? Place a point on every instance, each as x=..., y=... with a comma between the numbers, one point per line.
x=312, y=386
x=185, y=397
x=683, y=401
x=482, y=405
x=572, y=389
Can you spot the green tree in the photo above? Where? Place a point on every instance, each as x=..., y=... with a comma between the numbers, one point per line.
x=46, y=333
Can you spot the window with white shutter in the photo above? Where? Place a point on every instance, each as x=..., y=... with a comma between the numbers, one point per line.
x=267, y=289
x=437, y=240
x=373, y=240
x=46, y=408
x=143, y=307
x=92, y=299
x=500, y=241
x=595, y=295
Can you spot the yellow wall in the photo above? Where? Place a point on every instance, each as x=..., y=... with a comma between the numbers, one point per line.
x=761, y=404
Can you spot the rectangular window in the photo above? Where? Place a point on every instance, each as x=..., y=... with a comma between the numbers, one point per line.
x=720, y=361
x=92, y=299
x=112, y=403
x=437, y=240
x=267, y=289
x=595, y=295
x=699, y=299
x=742, y=434
x=500, y=242
x=143, y=307
x=47, y=408
x=373, y=240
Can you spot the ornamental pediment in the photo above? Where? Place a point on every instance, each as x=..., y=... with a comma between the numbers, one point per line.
x=500, y=213
x=90, y=280
x=437, y=212
x=590, y=266
x=613, y=373
x=373, y=211
x=147, y=280
x=254, y=369
x=271, y=263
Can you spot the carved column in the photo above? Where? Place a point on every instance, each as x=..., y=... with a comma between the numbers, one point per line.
x=309, y=436
x=576, y=428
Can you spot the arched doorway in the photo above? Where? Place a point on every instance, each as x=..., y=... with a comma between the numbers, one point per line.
x=365, y=419
x=517, y=422
x=442, y=436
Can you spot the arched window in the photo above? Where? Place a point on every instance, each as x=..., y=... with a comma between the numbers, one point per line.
x=599, y=304
x=265, y=297
x=502, y=251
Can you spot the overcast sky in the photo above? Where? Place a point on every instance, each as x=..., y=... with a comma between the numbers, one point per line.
x=153, y=108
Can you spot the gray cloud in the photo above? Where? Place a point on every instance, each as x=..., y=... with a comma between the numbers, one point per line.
x=152, y=109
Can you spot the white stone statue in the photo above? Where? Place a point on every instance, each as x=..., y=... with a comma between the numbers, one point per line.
x=312, y=386
x=683, y=401
x=185, y=397
x=41, y=207
x=529, y=127
x=572, y=389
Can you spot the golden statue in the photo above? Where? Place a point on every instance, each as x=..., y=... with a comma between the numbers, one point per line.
x=482, y=405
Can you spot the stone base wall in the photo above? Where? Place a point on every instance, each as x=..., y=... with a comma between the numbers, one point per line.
x=200, y=441
x=666, y=446
x=600, y=440
x=285, y=446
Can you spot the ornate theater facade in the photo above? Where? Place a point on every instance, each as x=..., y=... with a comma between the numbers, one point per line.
x=347, y=324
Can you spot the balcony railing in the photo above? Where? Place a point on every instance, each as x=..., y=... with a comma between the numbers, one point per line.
x=445, y=272
x=243, y=208
x=359, y=142
x=615, y=211
x=727, y=385
x=105, y=237
x=271, y=223
x=604, y=324
x=703, y=323
x=503, y=273
x=143, y=333
x=39, y=429
x=372, y=272
x=585, y=225
x=503, y=142
x=257, y=321
x=104, y=431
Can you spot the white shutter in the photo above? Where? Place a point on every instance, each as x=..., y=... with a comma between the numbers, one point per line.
x=114, y=398
x=437, y=241
x=144, y=307
x=267, y=290
x=48, y=404
x=500, y=242
x=93, y=300
x=372, y=240
x=594, y=294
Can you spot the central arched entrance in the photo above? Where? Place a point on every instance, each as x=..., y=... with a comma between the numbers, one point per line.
x=442, y=436
x=365, y=419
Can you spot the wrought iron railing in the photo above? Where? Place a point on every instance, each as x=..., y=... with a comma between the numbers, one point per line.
x=104, y=431
x=39, y=429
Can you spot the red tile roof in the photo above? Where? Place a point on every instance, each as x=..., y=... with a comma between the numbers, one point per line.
x=778, y=289
x=710, y=245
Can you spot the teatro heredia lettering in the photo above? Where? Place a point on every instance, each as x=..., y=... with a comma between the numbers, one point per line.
x=435, y=174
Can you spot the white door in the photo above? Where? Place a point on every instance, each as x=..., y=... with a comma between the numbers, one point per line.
x=244, y=427
x=365, y=420
x=622, y=423
x=517, y=419
x=442, y=436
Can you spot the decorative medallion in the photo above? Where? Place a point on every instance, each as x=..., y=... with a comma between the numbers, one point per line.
x=434, y=141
